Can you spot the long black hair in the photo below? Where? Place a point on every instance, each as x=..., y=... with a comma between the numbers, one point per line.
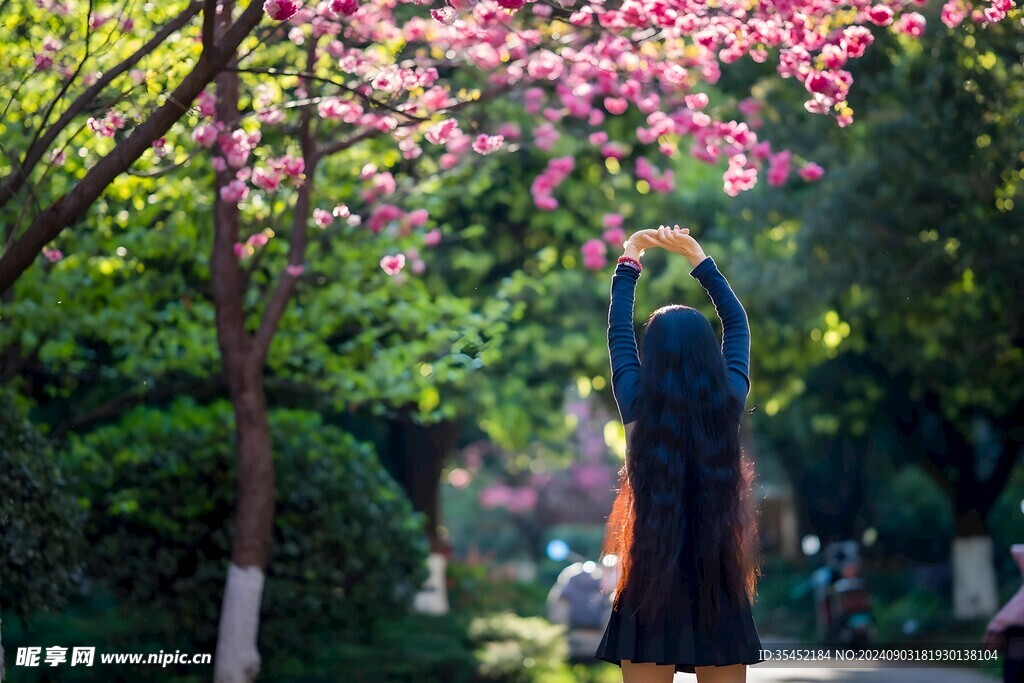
x=684, y=496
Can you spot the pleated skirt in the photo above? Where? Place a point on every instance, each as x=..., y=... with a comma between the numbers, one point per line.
x=675, y=638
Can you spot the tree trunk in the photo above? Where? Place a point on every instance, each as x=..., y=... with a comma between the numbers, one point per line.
x=237, y=659
x=416, y=456
x=974, y=578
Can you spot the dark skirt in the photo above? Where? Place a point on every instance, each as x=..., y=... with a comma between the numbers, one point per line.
x=675, y=638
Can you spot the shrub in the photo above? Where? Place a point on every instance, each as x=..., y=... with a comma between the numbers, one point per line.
x=514, y=649
x=41, y=537
x=160, y=485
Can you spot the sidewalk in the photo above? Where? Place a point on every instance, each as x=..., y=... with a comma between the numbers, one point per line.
x=773, y=673
x=762, y=674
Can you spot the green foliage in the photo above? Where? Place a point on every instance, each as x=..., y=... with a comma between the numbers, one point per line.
x=514, y=649
x=471, y=591
x=913, y=518
x=160, y=488
x=41, y=537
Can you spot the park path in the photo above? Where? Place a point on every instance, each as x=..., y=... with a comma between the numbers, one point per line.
x=775, y=674
x=762, y=673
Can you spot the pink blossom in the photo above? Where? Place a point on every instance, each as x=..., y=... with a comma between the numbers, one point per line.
x=322, y=219
x=205, y=134
x=697, y=100
x=614, y=236
x=295, y=269
x=218, y=164
x=739, y=177
x=344, y=7
x=545, y=136
x=612, y=220
x=613, y=150
x=595, y=262
x=532, y=99
x=779, y=168
x=812, y=172
x=338, y=109
x=205, y=102
x=160, y=148
x=594, y=247
x=953, y=13
x=439, y=133
x=509, y=130
x=383, y=214
x=281, y=10
x=496, y=495
x=289, y=165
x=52, y=255
x=856, y=40
x=258, y=239
x=432, y=238
x=880, y=15
x=340, y=211
x=911, y=24
x=235, y=146
x=615, y=105
x=447, y=161
x=445, y=15
x=749, y=106
x=266, y=178
x=393, y=264
x=108, y=125
x=487, y=144
x=418, y=217
x=242, y=251
x=58, y=157
x=234, y=192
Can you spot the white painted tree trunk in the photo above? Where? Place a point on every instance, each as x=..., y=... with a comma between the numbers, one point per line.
x=237, y=660
x=433, y=596
x=974, y=577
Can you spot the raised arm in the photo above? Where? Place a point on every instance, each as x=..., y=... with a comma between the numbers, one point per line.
x=735, y=328
x=622, y=350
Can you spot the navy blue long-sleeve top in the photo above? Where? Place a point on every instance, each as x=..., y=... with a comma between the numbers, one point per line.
x=622, y=348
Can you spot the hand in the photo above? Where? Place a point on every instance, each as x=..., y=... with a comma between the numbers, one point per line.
x=678, y=240
x=644, y=239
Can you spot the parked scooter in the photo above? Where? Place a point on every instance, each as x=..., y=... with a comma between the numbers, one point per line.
x=842, y=600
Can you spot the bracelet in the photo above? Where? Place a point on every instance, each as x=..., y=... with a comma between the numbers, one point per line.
x=631, y=260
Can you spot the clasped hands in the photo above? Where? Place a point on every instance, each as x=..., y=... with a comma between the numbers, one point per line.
x=673, y=239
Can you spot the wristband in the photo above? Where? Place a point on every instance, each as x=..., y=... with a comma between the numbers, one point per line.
x=630, y=260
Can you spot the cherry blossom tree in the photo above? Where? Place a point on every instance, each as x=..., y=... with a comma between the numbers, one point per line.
x=587, y=63
x=297, y=93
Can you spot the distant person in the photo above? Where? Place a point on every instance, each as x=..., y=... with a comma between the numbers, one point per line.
x=681, y=526
x=1006, y=629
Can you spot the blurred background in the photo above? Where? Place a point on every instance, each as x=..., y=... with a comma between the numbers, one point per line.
x=446, y=444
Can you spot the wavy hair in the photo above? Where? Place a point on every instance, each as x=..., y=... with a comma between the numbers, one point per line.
x=684, y=498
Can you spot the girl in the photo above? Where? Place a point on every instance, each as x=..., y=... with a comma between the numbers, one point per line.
x=681, y=527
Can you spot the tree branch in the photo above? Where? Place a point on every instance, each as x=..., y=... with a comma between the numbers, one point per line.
x=72, y=206
x=38, y=148
x=308, y=74
x=298, y=239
